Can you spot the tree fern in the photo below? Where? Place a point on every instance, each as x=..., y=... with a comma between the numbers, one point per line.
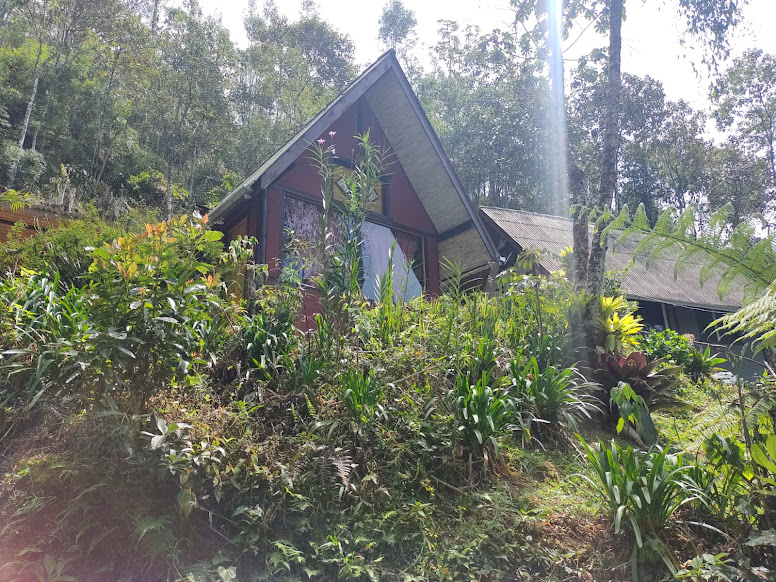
x=738, y=255
x=755, y=321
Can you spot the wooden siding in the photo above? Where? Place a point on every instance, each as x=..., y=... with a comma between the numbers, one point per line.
x=33, y=217
x=416, y=154
x=466, y=251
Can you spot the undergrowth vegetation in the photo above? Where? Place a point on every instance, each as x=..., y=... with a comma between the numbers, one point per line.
x=161, y=423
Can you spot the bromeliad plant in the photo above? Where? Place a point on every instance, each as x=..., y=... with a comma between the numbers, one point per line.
x=702, y=364
x=620, y=326
x=648, y=388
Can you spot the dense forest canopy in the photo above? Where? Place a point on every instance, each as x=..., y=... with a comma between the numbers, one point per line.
x=125, y=103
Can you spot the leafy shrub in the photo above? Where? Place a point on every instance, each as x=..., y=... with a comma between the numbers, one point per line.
x=152, y=308
x=270, y=335
x=646, y=386
x=723, y=479
x=51, y=338
x=548, y=349
x=65, y=249
x=362, y=394
x=665, y=345
x=30, y=165
x=483, y=414
x=482, y=360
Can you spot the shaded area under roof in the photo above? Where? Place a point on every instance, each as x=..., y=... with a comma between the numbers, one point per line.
x=659, y=282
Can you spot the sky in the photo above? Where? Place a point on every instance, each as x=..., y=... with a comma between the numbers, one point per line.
x=651, y=33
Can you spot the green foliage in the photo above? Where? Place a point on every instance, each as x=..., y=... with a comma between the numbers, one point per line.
x=362, y=394
x=270, y=335
x=151, y=310
x=65, y=249
x=665, y=345
x=49, y=337
x=743, y=95
x=483, y=414
x=708, y=567
x=702, y=364
x=754, y=321
x=338, y=281
x=648, y=388
x=738, y=255
x=619, y=325
x=550, y=398
x=724, y=479
x=764, y=454
x=641, y=490
x=150, y=188
x=30, y=165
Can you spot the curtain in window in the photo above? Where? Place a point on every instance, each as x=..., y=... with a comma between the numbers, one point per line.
x=377, y=243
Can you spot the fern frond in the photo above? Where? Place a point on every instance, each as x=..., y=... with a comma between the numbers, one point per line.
x=755, y=321
x=737, y=255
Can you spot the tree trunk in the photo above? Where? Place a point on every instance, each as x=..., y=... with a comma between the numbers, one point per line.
x=40, y=123
x=155, y=16
x=104, y=111
x=28, y=114
x=168, y=193
x=597, y=260
x=581, y=233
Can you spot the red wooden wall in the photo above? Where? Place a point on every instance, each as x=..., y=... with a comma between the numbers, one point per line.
x=404, y=212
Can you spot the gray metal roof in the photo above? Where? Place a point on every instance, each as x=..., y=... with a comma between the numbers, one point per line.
x=659, y=282
x=463, y=239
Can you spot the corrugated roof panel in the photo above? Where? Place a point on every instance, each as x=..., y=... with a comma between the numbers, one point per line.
x=658, y=282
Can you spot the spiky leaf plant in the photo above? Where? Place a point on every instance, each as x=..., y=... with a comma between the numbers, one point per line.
x=702, y=363
x=649, y=384
x=553, y=398
x=483, y=414
x=642, y=490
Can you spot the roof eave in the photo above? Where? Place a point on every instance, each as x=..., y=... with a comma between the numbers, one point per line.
x=296, y=145
x=434, y=138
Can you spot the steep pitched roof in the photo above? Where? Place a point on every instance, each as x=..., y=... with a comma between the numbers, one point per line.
x=462, y=238
x=659, y=282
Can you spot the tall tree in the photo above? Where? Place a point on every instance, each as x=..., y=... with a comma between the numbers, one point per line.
x=184, y=114
x=289, y=71
x=710, y=19
x=39, y=14
x=740, y=180
x=608, y=186
x=397, y=25
x=745, y=102
x=489, y=108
